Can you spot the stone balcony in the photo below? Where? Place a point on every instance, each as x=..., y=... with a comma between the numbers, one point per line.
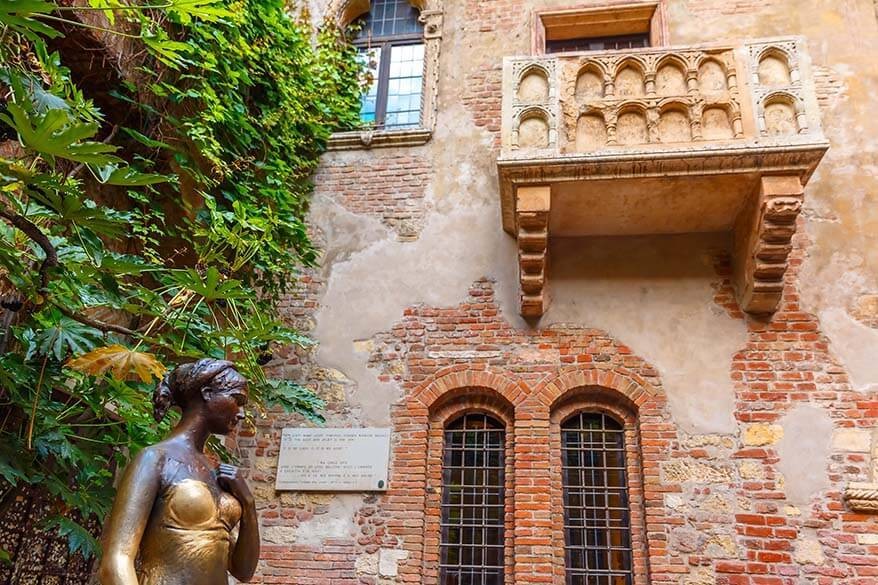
x=708, y=138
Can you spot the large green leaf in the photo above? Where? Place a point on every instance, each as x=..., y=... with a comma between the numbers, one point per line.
x=211, y=285
x=85, y=213
x=293, y=398
x=57, y=134
x=21, y=16
x=207, y=10
x=128, y=177
x=79, y=540
x=170, y=52
x=62, y=336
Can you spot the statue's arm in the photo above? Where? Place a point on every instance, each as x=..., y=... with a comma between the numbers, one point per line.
x=244, y=555
x=124, y=528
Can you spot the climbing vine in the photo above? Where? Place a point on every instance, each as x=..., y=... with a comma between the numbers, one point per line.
x=165, y=233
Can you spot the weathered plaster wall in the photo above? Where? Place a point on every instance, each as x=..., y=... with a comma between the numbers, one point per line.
x=766, y=429
x=842, y=261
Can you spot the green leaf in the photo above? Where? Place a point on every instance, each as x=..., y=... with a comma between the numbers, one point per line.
x=10, y=474
x=206, y=10
x=85, y=213
x=128, y=177
x=5, y=557
x=65, y=336
x=146, y=140
x=171, y=53
x=293, y=398
x=21, y=16
x=57, y=134
x=211, y=285
x=79, y=540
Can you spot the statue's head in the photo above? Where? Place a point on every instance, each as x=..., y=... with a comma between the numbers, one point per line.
x=212, y=387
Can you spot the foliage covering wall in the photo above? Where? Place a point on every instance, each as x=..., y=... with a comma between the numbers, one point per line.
x=157, y=228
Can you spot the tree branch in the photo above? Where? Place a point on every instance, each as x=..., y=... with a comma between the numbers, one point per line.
x=40, y=239
x=101, y=325
x=35, y=234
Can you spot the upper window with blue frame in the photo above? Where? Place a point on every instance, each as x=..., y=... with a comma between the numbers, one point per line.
x=391, y=42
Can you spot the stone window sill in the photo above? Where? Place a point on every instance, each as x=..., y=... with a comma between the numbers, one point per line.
x=366, y=139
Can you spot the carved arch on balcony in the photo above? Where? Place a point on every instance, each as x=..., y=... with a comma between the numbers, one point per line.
x=624, y=87
x=784, y=57
x=722, y=81
x=526, y=139
x=724, y=127
x=534, y=69
x=344, y=12
x=591, y=129
x=676, y=120
x=599, y=71
x=782, y=113
x=631, y=122
x=677, y=63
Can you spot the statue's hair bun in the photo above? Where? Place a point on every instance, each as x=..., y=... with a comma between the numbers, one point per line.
x=162, y=399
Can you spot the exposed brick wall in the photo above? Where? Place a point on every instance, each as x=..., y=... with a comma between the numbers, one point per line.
x=389, y=187
x=469, y=356
x=706, y=508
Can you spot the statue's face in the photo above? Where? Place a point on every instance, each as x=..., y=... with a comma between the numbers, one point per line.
x=225, y=400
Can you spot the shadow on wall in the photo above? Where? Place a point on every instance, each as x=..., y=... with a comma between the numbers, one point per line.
x=656, y=294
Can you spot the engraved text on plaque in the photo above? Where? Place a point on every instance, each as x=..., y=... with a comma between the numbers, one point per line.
x=333, y=459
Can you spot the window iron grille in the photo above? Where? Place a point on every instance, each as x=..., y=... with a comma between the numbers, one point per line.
x=473, y=507
x=597, y=525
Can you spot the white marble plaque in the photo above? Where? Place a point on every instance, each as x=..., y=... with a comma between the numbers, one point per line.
x=336, y=460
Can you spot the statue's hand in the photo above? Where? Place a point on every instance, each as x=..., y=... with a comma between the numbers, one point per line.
x=228, y=477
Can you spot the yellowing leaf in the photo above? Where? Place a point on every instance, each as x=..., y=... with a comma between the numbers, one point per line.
x=122, y=363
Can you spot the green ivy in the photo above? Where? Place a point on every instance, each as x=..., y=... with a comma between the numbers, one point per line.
x=125, y=251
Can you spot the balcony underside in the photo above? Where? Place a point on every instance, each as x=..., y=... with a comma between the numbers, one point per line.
x=752, y=191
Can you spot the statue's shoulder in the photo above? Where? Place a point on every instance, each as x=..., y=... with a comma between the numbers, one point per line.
x=151, y=456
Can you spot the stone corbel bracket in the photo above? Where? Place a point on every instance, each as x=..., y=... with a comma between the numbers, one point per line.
x=763, y=241
x=862, y=497
x=533, y=248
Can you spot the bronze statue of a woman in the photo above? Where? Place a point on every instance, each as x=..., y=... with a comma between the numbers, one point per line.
x=172, y=509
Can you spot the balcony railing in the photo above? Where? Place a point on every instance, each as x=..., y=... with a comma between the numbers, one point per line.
x=707, y=123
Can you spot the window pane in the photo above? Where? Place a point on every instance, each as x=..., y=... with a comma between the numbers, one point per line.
x=597, y=528
x=388, y=18
x=369, y=101
x=404, y=86
x=472, y=502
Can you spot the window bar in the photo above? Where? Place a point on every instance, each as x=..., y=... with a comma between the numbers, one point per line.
x=473, y=511
x=597, y=529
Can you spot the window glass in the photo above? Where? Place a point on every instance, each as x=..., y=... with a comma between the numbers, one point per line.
x=389, y=37
x=389, y=18
x=597, y=528
x=405, y=82
x=371, y=57
x=473, y=502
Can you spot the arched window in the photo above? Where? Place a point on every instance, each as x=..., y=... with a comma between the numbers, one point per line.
x=391, y=42
x=473, y=502
x=597, y=524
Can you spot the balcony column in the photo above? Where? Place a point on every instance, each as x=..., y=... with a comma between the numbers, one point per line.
x=532, y=219
x=763, y=241
x=649, y=80
x=692, y=81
